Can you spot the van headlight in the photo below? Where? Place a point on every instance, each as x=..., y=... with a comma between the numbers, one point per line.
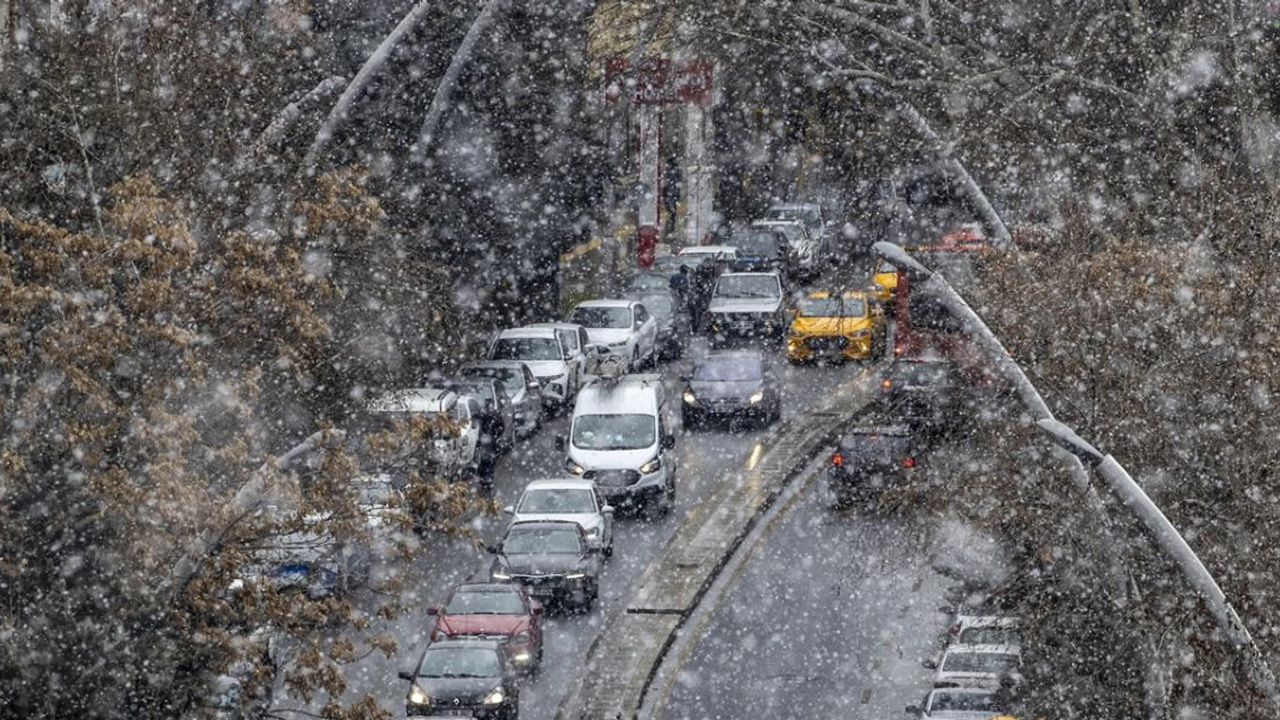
x=572, y=467
x=756, y=396
x=652, y=466
x=495, y=697
x=417, y=696
x=689, y=397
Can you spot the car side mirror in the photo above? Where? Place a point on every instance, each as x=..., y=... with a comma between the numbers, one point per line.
x=561, y=442
x=535, y=386
x=492, y=549
x=405, y=675
x=929, y=664
x=537, y=610
x=668, y=441
x=509, y=510
x=607, y=510
x=433, y=610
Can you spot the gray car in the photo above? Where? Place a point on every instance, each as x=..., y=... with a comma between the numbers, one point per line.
x=497, y=413
x=674, y=325
x=522, y=388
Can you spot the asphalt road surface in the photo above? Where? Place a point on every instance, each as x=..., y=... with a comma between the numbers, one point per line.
x=704, y=455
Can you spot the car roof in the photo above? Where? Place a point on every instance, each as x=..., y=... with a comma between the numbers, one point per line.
x=527, y=332
x=445, y=644
x=696, y=249
x=511, y=364
x=545, y=525
x=555, y=325
x=738, y=353
x=603, y=397
x=560, y=484
x=487, y=588
x=414, y=400
x=984, y=650
x=605, y=302
x=968, y=621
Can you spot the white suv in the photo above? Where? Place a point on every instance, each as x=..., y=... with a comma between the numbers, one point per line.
x=455, y=455
x=547, y=355
x=573, y=500
x=626, y=326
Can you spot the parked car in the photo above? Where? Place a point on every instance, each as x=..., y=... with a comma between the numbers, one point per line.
x=310, y=559
x=547, y=354
x=840, y=326
x=574, y=339
x=960, y=704
x=493, y=611
x=721, y=256
x=620, y=439
x=624, y=325
x=552, y=560
x=731, y=385
x=869, y=459
x=468, y=678
x=497, y=414
x=573, y=500
x=522, y=388
x=985, y=630
x=674, y=331
x=925, y=394
x=747, y=305
x=977, y=665
x=456, y=454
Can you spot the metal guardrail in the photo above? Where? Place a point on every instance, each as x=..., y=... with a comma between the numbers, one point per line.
x=1114, y=476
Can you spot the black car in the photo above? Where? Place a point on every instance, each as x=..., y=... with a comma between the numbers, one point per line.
x=552, y=560
x=925, y=394
x=465, y=678
x=871, y=458
x=733, y=384
x=761, y=249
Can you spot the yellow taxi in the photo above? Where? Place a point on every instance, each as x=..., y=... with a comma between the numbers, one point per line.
x=884, y=280
x=848, y=326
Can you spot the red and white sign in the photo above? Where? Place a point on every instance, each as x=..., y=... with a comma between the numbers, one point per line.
x=660, y=81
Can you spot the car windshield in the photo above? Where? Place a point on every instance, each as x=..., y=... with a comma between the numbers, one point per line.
x=988, y=636
x=979, y=662
x=525, y=349
x=748, y=286
x=541, y=541
x=755, y=242
x=511, y=378
x=602, y=317
x=729, y=369
x=650, y=281
x=615, y=432
x=833, y=307
x=460, y=662
x=557, y=500
x=943, y=700
x=485, y=603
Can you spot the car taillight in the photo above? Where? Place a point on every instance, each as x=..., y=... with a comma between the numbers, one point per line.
x=886, y=383
x=908, y=462
x=837, y=460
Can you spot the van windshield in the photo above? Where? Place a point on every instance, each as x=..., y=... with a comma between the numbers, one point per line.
x=614, y=432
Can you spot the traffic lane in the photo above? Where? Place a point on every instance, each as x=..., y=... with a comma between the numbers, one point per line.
x=827, y=620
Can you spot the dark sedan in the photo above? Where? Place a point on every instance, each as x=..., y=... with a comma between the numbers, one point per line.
x=552, y=560
x=925, y=394
x=731, y=385
x=466, y=678
x=869, y=459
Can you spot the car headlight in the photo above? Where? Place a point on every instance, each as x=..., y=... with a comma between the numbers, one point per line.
x=572, y=467
x=575, y=576
x=593, y=533
x=417, y=696
x=500, y=575
x=689, y=397
x=495, y=697
x=652, y=466
x=756, y=396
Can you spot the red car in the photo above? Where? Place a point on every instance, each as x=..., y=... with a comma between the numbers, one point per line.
x=493, y=611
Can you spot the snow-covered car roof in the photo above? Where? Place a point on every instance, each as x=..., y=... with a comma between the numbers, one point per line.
x=421, y=400
x=528, y=331
x=605, y=302
x=560, y=484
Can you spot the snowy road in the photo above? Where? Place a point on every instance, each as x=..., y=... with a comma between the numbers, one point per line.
x=704, y=454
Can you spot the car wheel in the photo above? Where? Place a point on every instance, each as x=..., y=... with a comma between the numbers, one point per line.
x=688, y=420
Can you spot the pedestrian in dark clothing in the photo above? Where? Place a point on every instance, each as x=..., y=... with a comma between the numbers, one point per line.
x=704, y=281
x=680, y=286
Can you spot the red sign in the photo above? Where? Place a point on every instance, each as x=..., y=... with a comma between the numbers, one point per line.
x=659, y=81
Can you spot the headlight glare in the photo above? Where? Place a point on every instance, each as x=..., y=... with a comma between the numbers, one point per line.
x=500, y=575
x=689, y=397
x=756, y=396
x=572, y=467
x=575, y=576
x=417, y=696
x=652, y=466
x=495, y=697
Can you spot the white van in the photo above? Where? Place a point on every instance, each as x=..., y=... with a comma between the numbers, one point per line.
x=621, y=439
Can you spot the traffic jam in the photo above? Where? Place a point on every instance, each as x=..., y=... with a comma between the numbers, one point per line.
x=756, y=297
